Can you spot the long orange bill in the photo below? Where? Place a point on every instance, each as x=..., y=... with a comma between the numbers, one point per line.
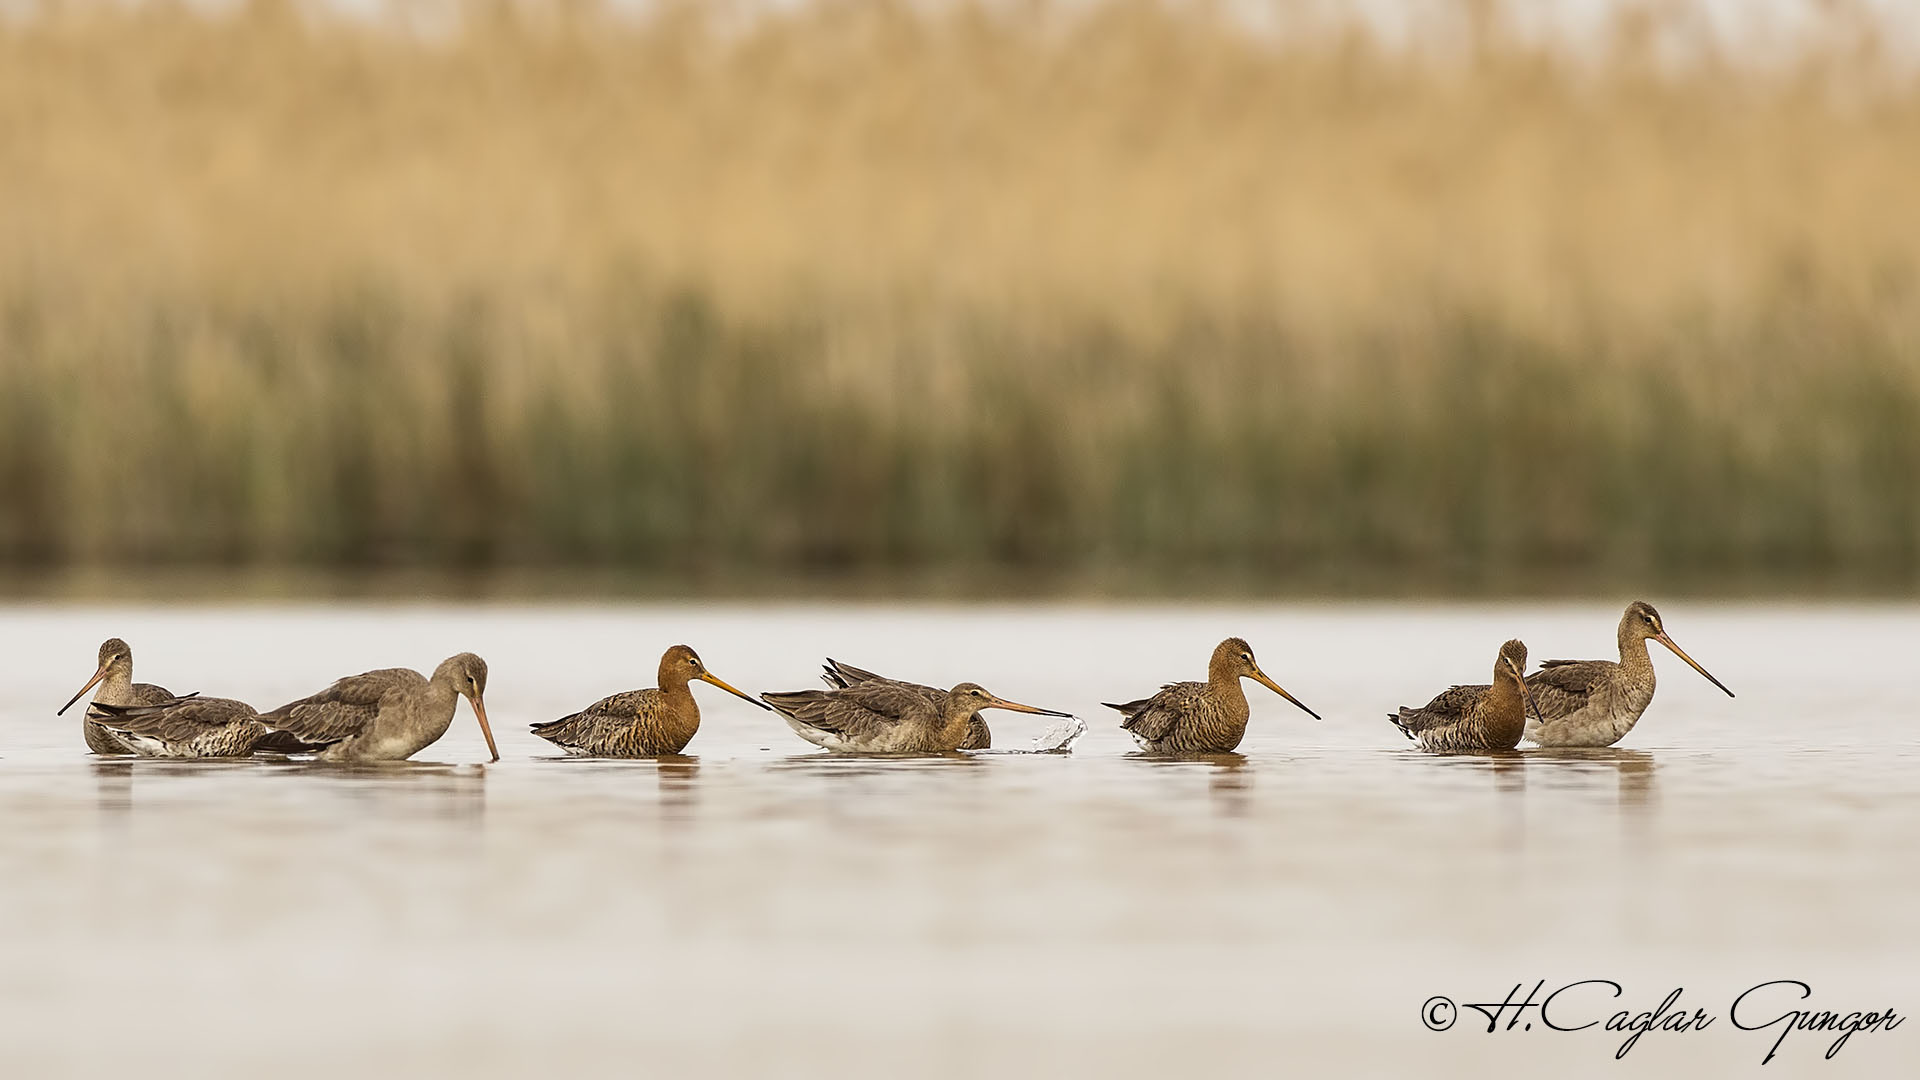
x=994, y=702
x=1663, y=639
x=709, y=677
x=486, y=729
x=1261, y=678
x=102, y=673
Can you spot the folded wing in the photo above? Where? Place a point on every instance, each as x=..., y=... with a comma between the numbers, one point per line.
x=1448, y=707
x=1154, y=718
x=178, y=719
x=1563, y=687
x=601, y=724
x=840, y=676
x=345, y=709
x=860, y=711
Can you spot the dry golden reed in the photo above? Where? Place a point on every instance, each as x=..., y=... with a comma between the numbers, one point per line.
x=1121, y=287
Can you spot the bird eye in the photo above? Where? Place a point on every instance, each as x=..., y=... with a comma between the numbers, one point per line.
x=1247, y=656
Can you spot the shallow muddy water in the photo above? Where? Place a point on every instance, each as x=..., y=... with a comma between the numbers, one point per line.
x=761, y=905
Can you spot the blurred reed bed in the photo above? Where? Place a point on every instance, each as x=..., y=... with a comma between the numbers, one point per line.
x=885, y=287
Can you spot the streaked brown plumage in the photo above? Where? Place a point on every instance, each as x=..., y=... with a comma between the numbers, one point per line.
x=1474, y=719
x=386, y=715
x=840, y=676
x=880, y=716
x=1201, y=717
x=640, y=723
x=1596, y=702
x=193, y=727
x=115, y=679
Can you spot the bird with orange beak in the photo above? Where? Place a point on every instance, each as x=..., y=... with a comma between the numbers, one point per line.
x=386, y=715
x=1596, y=702
x=114, y=677
x=1201, y=717
x=641, y=723
x=887, y=717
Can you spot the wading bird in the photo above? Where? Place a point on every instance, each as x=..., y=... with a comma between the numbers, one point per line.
x=1201, y=717
x=115, y=679
x=194, y=727
x=1596, y=702
x=840, y=676
x=880, y=716
x=1471, y=719
x=386, y=715
x=641, y=723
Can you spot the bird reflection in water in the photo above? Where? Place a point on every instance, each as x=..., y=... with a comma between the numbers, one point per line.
x=1229, y=781
x=1508, y=772
x=413, y=789
x=1230, y=784
x=1633, y=773
x=679, y=780
x=114, y=779
x=1593, y=777
x=113, y=787
x=1635, y=783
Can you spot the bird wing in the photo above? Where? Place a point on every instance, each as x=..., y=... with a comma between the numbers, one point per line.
x=1153, y=718
x=626, y=704
x=344, y=709
x=861, y=710
x=1447, y=707
x=1563, y=687
x=588, y=727
x=175, y=720
x=149, y=694
x=840, y=676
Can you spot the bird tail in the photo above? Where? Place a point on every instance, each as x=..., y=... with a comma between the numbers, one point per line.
x=784, y=702
x=548, y=729
x=1399, y=720
x=1131, y=710
x=282, y=742
x=113, y=717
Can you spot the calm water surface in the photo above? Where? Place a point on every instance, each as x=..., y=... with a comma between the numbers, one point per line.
x=760, y=905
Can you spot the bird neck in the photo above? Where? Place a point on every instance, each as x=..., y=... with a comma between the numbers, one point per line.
x=1633, y=650
x=676, y=688
x=117, y=687
x=1506, y=686
x=441, y=689
x=1226, y=687
x=1222, y=674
